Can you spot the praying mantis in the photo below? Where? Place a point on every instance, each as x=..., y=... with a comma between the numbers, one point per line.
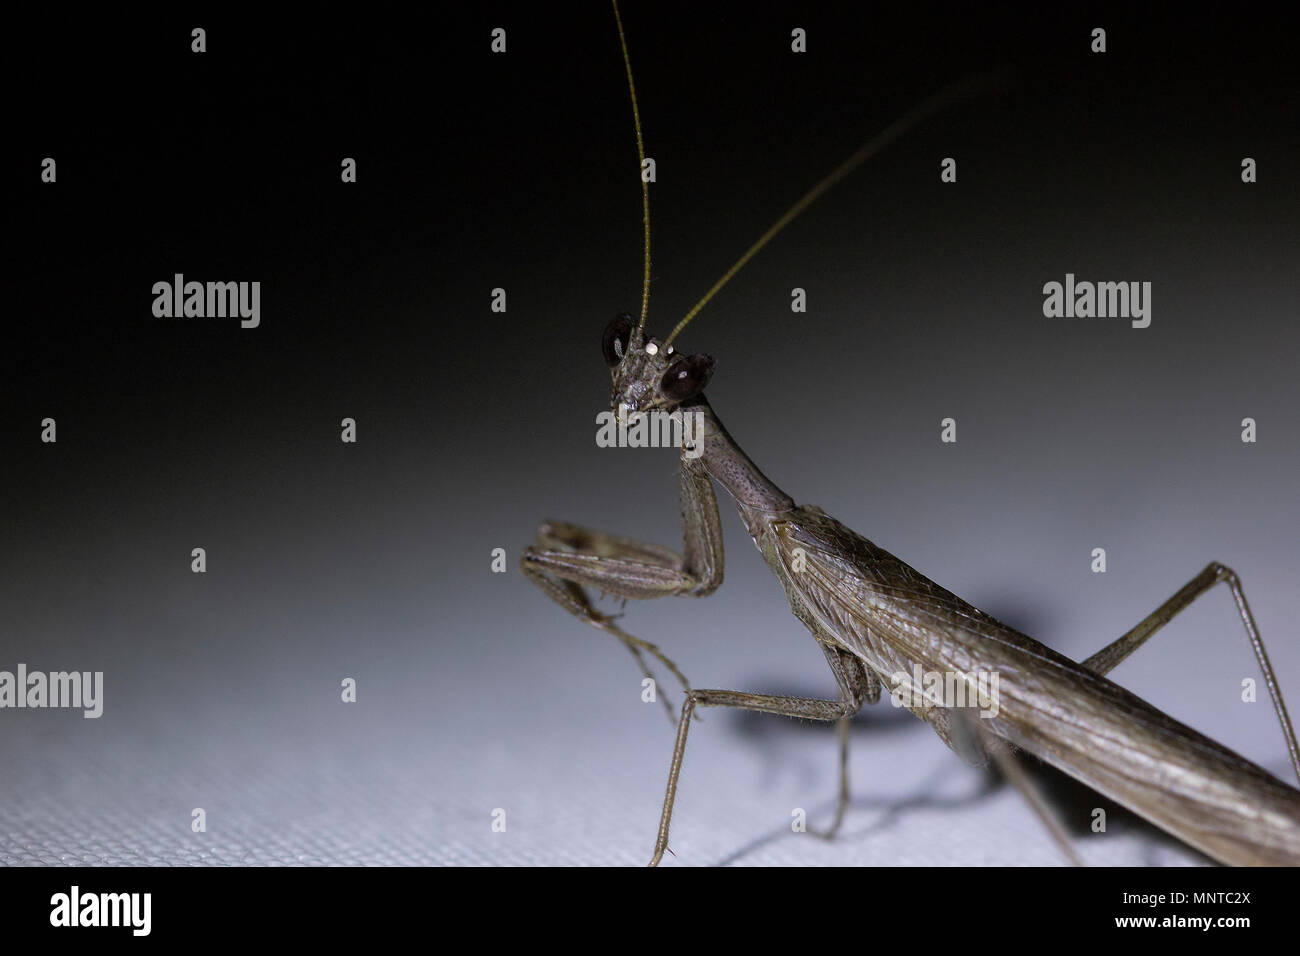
x=878, y=620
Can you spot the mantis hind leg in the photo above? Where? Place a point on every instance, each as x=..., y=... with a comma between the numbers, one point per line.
x=1106, y=659
x=968, y=733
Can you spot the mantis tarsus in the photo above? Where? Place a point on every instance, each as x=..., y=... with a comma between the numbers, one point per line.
x=874, y=616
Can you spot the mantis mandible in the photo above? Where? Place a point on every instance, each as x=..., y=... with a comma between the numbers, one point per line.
x=876, y=618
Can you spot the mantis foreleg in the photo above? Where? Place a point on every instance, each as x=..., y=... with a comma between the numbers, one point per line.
x=569, y=558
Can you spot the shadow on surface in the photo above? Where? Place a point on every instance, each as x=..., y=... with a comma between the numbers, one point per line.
x=1072, y=802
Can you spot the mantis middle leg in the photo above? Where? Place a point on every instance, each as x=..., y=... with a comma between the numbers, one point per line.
x=855, y=685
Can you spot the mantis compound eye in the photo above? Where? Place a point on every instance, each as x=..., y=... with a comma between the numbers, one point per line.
x=687, y=377
x=617, y=334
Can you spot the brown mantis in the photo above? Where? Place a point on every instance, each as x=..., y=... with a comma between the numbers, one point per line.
x=877, y=620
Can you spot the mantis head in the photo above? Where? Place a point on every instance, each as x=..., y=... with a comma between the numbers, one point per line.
x=647, y=374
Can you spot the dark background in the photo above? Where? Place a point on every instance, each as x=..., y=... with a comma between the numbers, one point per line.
x=475, y=171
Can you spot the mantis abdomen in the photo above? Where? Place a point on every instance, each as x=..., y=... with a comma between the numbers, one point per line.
x=896, y=621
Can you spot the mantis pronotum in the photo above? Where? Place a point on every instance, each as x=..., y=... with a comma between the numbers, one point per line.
x=875, y=617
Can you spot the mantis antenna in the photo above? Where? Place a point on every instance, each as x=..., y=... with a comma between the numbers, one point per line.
x=645, y=186
x=959, y=91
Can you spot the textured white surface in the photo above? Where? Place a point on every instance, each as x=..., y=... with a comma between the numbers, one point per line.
x=364, y=790
x=476, y=693
x=371, y=561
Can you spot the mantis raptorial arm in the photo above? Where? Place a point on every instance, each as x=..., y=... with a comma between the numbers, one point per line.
x=569, y=558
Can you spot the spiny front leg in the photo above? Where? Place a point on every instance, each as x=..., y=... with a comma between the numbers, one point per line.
x=641, y=572
x=568, y=558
